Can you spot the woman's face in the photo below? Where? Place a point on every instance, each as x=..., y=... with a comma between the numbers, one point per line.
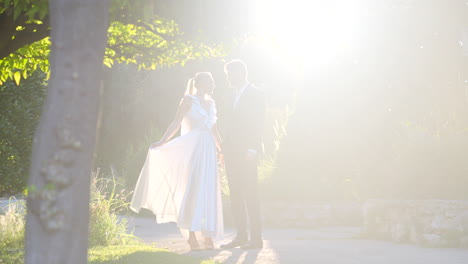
x=205, y=85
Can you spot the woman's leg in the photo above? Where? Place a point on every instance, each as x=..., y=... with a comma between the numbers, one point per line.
x=192, y=241
x=192, y=236
x=209, y=243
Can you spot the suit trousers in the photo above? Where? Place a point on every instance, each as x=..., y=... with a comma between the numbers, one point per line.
x=242, y=175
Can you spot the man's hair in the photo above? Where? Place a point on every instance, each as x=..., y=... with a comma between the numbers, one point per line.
x=236, y=65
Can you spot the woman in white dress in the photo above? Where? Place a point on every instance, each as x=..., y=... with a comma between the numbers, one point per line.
x=179, y=180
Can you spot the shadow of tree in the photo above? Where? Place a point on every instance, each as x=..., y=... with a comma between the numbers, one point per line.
x=147, y=257
x=233, y=256
x=242, y=257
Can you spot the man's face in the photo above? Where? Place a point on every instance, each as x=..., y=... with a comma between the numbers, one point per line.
x=234, y=77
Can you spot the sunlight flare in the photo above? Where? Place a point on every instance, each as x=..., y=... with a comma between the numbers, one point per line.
x=308, y=30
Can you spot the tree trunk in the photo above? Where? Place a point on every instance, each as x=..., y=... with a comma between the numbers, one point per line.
x=64, y=143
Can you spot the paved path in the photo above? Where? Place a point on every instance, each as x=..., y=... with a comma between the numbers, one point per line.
x=5, y=202
x=291, y=246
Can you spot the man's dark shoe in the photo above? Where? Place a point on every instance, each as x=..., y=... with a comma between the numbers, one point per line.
x=253, y=244
x=237, y=242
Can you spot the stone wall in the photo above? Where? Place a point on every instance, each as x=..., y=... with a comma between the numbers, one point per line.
x=432, y=223
x=311, y=214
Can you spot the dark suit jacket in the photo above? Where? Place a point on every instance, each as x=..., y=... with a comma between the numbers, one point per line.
x=244, y=123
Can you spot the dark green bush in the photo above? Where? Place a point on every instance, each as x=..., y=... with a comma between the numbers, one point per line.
x=20, y=108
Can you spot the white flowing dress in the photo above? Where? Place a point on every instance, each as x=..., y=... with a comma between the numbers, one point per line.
x=179, y=181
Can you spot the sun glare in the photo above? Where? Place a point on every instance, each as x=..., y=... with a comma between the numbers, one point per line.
x=308, y=31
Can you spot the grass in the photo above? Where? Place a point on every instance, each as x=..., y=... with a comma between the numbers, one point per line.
x=109, y=240
x=12, y=233
x=105, y=227
x=139, y=254
x=11, y=255
x=128, y=254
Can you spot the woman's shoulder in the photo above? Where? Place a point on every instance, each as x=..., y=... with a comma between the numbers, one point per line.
x=188, y=97
x=186, y=101
x=211, y=100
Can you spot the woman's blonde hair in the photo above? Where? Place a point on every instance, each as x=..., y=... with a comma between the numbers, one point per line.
x=192, y=82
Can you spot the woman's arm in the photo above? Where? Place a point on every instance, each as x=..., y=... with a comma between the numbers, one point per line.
x=218, y=143
x=217, y=137
x=184, y=106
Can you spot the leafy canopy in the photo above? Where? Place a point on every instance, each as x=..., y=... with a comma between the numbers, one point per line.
x=135, y=36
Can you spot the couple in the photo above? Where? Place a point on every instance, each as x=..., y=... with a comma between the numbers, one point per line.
x=179, y=181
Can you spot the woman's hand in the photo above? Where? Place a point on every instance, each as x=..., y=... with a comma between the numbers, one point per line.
x=221, y=159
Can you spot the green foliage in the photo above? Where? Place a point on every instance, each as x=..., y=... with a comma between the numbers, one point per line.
x=274, y=133
x=147, y=45
x=138, y=253
x=130, y=11
x=33, y=9
x=12, y=227
x=130, y=108
x=20, y=108
x=114, y=250
x=108, y=242
x=25, y=61
x=108, y=199
x=39, y=9
x=23, y=43
x=151, y=45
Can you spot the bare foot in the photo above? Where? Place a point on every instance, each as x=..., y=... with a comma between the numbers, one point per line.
x=209, y=243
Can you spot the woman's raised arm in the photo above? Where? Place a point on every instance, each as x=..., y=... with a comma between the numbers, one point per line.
x=184, y=106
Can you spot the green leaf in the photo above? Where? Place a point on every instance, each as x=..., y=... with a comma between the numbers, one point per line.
x=6, y=4
x=108, y=62
x=42, y=13
x=17, y=77
x=16, y=13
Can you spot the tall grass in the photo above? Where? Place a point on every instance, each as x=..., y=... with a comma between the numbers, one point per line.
x=12, y=227
x=108, y=201
x=106, y=228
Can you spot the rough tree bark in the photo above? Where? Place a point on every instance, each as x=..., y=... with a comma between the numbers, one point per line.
x=63, y=147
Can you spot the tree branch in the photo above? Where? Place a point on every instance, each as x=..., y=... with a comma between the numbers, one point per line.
x=9, y=45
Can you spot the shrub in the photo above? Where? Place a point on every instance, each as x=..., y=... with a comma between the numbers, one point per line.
x=12, y=227
x=106, y=201
x=106, y=228
x=132, y=108
x=20, y=108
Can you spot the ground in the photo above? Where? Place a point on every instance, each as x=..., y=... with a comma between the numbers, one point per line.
x=325, y=245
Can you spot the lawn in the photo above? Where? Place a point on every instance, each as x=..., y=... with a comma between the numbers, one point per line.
x=128, y=254
x=139, y=254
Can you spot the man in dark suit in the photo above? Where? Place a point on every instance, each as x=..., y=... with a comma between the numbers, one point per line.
x=241, y=147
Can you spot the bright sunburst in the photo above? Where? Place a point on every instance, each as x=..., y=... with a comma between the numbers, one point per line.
x=309, y=30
